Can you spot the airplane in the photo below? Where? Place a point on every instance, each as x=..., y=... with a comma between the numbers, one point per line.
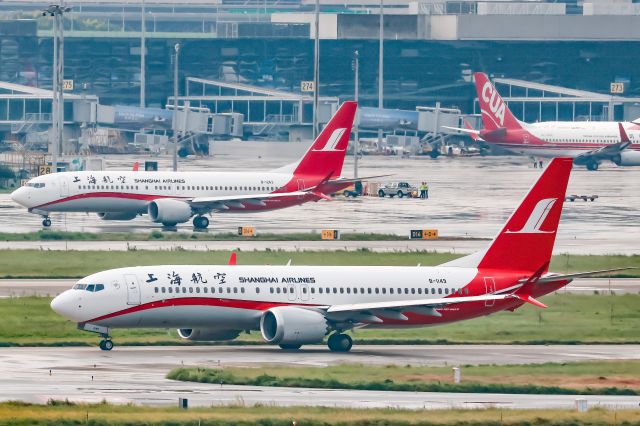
x=588, y=143
x=296, y=305
x=175, y=197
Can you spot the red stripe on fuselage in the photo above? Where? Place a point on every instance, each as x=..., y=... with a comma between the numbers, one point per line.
x=121, y=195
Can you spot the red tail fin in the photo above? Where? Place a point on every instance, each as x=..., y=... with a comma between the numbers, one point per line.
x=526, y=241
x=325, y=157
x=495, y=113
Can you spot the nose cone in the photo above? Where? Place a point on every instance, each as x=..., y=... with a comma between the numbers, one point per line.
x=67, y=305
x=21, y=196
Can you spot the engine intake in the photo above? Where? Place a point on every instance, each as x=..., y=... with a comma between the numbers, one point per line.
x=289, y=325
x=207, y=334
x=169, y=212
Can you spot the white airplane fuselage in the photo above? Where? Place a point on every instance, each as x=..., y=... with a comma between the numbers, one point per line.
x=235, y=297
x=130, y=192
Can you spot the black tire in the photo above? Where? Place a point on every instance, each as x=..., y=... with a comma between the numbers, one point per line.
x=200, y=222
x=381, y=193
x=593, y=166
x=290, y=347
x=400, y=194
x=434, y=153
x=339, y=342
x=46, y=222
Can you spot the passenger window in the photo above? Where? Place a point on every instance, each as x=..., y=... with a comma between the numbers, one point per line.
x=156, y=289
x=257, y=289
x=184, y=289
x=348, y=290
x=391, y=290
x=170, y=289
x=406, y=291
x=235, y=289
x=433, y=291
x=319, y=290
x=419, y=291
x=361, y=290
x=164, y=290
x=278, y=290
x=335, y=290
x=271, y=290
x=205, y=289
x=369, y=290
x=440, y=291
x=197, y=289
x=377, y=290
x=466, y=291
x=304, y=290
x=413, y=291
x=190, y=289
x=446, y=291
x=384, y=290
x=341, y=290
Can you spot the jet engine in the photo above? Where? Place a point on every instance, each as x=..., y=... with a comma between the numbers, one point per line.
x=288, y=325
x=169, y=212
x=627, y=158
x=117, y=216
x=207, y=334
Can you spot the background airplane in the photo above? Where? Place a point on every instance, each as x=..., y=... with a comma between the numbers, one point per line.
x=174, y=197
x=297, y=305
x=588, y=143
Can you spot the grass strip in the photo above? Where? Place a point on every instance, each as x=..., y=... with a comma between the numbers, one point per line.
x=76, y=264
x=570, y=319
x=68, y=413
x=157, y=235
x=620, y=377
x=391, y=378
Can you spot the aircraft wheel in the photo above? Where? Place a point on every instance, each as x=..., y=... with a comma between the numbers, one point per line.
x=200, y=222
x=106, y=345
x=290, y=347
x=339, y=342
x=46, y=222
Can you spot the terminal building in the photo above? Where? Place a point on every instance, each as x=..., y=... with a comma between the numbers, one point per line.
x=265, y=49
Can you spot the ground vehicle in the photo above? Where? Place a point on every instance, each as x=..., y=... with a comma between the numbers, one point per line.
x=401, y=189
x=354, y=192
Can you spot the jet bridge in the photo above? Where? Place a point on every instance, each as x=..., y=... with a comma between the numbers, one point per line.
x=532, y=102
x=267, y=112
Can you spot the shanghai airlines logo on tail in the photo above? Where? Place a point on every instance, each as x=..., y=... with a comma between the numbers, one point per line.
x=537, y=217
x=333, y=140
x=495, y=103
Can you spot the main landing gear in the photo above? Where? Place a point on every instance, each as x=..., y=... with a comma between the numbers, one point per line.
x=339, y=342
x=200, y=222
x=46, y=222
x=106, y=344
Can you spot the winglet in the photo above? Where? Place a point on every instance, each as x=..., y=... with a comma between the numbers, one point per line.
x=232, y=258
x=623, y=134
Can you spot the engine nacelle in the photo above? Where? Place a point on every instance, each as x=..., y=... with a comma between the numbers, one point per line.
x=117, y=216
x=627, y=158
x=206, y=334
x=169, y=212
x=288, y=325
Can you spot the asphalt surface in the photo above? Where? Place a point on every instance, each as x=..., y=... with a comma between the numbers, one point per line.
x=469, y=197
x=52, y=287
x=135, y=374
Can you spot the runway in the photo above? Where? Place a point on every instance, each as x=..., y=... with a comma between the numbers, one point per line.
x=469, y=198
x=52, y=287
x=136, y=374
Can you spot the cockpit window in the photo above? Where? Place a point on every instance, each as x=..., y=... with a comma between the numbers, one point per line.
x=89, y=287
x=36, y=184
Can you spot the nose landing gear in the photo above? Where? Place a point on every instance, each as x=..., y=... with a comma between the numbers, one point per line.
x=46, y=222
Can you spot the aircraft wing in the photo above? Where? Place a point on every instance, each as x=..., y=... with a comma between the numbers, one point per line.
x=340, y=181
x=606, y=152
x=239, y=201
x=372, y=312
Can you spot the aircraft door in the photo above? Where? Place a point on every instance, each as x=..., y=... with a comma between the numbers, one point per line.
x=291, y=292
x=133, y=290
x=304, y=292
x=64, y=187
x=490, y=287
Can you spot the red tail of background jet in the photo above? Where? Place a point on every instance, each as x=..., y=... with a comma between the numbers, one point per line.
x=526, y=241
x=325, y=158
x=495, y=113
